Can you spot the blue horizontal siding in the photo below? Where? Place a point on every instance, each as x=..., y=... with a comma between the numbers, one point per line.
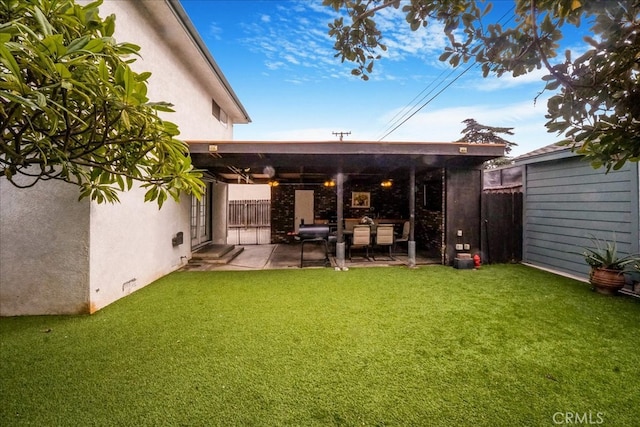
x=603, y=229
x=581, y=215
x=583, y=197
x=573, y=171
x=566, y=202
x=581, y=187
x=574, y=236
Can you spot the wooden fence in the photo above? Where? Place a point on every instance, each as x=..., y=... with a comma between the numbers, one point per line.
x=502, y=226
x=249, y=222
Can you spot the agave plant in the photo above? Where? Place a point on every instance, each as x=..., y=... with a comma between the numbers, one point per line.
x=605, y=255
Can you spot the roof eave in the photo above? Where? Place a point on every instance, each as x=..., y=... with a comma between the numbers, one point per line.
x=183, y=18
x=347, y=147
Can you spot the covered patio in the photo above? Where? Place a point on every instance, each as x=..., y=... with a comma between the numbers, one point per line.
x=279, y=256
x=436, y=187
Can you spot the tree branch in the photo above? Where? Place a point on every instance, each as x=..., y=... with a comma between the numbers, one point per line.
x=372, y=11
x=536, y=38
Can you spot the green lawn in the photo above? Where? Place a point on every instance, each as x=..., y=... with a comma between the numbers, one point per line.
x=505, y=345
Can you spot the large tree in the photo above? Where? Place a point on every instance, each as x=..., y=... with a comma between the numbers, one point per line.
x=597, y=101
x=477, y=133
x=73, y=109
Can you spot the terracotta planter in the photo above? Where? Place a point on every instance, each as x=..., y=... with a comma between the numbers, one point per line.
x=606, y=281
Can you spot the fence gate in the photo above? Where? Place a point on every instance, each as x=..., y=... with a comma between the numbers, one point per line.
x=249, y=222
x=502, y=227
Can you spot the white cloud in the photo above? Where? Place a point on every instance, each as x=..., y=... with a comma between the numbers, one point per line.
x=442, y=125
x=297, y=53
x=296, y=35
x=445, y=125
x=215, y=31
x=426, y=43
x=291, y=59
x=507, y=81
x=302, y=134
x=274, y=65
x=295, y=81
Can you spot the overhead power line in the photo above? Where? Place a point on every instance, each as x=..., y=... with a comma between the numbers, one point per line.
x=428, y=101
x=407, y=111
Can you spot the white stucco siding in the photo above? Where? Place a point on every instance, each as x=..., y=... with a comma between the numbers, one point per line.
x=131, y=241
x=249, y=192
x=131, y=244
x=61, y=256
x=44, y=250
x=180, y=75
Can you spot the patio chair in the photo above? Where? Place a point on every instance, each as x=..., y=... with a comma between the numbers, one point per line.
x=404, y=238
x=349, y=223
x=384, y=237
x=361, y=239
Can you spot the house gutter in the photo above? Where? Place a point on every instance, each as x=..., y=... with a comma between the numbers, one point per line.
x=184, y=19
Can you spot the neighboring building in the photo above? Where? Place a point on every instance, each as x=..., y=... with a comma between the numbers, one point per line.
x=59, y=255
x=566, y=202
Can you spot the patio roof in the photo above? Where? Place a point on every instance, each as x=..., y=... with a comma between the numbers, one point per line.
x=317, y=161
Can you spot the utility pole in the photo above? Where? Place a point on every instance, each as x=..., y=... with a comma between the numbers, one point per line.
x=341, y=134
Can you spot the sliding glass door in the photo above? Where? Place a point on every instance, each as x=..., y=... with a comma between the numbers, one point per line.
x=201, y=218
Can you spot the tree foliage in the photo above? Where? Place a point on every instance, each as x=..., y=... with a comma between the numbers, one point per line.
x=596, y=104
x=73, y=109
x=477, y=133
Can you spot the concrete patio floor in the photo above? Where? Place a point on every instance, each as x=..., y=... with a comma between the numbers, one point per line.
x=283, y=256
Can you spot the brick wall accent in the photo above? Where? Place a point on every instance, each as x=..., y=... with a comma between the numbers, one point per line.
x=385, y=203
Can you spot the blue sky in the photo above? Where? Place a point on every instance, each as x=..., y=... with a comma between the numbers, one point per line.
x=278, y=58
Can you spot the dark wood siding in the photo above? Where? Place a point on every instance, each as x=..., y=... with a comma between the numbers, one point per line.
x=502, y=227
x=463, y=192
x=566, y=201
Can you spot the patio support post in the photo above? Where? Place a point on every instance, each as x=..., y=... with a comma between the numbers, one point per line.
x=411, y=245
x=340, y=215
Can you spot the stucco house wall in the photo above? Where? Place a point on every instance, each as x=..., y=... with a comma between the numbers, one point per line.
x=181, y=74
x=59, y=255
x=44, y=250
x=131, y=242
x=249, y=192
x=131, y=245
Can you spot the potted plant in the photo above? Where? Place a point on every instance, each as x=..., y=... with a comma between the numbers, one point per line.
x=607, y=267
x=634, y=276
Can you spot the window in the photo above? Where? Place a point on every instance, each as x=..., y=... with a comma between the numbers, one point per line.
x=218, y=112
x=223, y=118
